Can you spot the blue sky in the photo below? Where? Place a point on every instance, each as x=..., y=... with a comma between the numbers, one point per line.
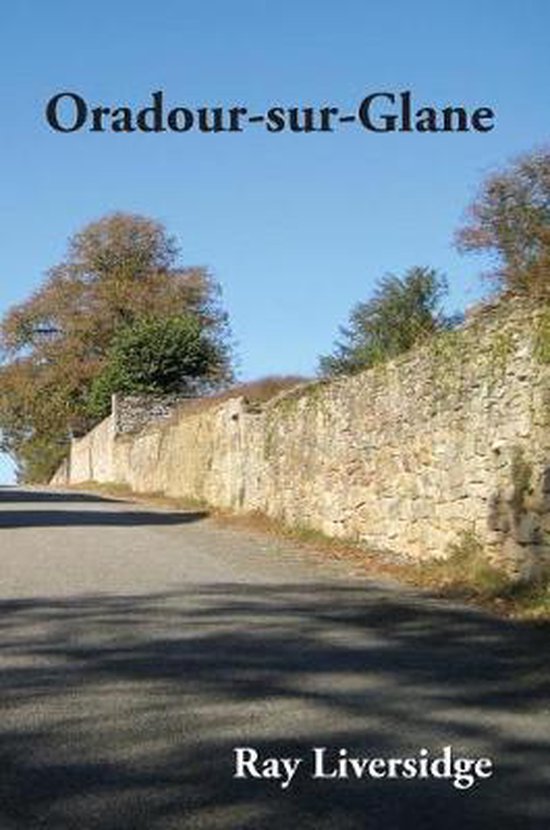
x=297, y=228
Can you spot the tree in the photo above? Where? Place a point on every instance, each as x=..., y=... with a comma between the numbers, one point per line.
x=23, y=404
x=117, y=271
x=158, y=356
x=510, y=219
x=402, y=311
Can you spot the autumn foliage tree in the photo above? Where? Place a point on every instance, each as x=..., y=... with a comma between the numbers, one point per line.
x=510, y=220
x=118, y=270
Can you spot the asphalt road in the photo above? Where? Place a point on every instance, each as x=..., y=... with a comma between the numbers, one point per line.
x=138, y=648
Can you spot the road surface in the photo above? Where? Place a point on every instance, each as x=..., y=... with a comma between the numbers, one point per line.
x=139, y=648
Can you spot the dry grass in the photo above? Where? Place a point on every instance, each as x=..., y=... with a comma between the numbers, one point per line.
x=314, y=541
x=124, y=493
x=465, y=575
x=255, y=392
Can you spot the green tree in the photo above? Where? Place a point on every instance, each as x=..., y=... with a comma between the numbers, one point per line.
x=158, y=356
x=117, y=271
x=402, y=312
x=510, y=220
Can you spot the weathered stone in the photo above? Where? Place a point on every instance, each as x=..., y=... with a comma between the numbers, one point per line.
x=132, y=413
x=526, y=529
x=545, y=480
x=409, y=455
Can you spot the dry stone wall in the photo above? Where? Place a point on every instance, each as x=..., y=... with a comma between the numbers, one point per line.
x=452, y=439
x=132, y=413
x=91, y=457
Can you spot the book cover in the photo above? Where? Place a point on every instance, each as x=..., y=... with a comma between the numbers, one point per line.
x=274, y=389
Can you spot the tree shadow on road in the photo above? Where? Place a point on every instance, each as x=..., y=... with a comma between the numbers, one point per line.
x=95, y=518
x=22, y=495
x=77, y=513
x=123, y=711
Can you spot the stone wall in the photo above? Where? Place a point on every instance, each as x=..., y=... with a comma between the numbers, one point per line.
x=132, y=413
x=450, y=439
x=62, y=475
x=92, y=456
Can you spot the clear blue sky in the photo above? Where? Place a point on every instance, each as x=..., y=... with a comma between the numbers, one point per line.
x=295, y=227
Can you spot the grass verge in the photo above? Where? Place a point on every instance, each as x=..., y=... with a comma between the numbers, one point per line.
x=465, y=574
x=468, y=575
